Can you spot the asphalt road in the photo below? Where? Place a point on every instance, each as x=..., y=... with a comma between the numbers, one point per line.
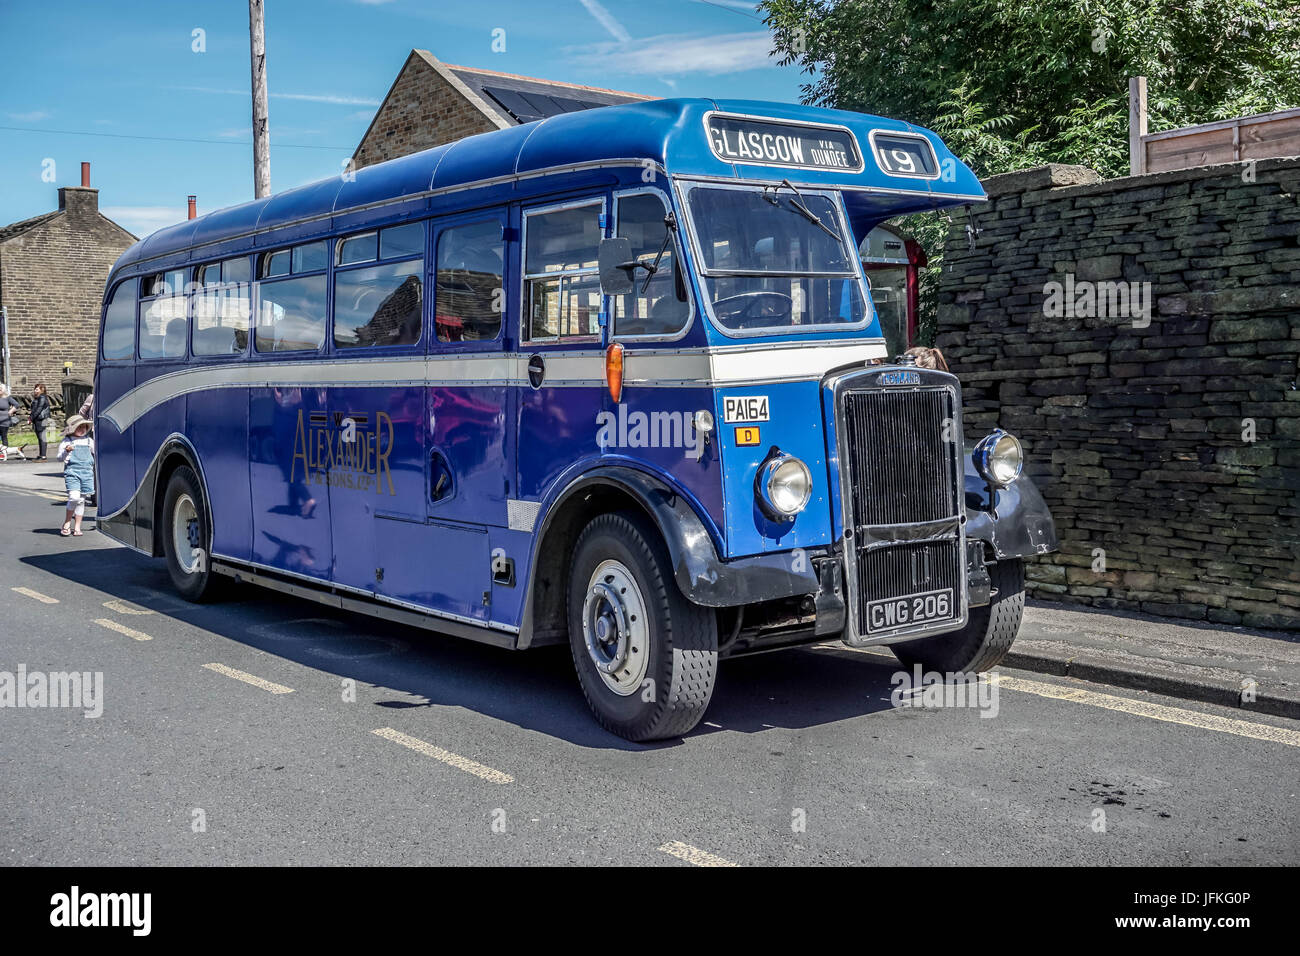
x=456, y=753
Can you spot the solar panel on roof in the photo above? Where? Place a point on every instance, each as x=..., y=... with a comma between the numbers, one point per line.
x=513, y=103
x=527, y=106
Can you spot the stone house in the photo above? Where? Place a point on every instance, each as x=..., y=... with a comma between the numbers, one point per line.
x=52, y=273
x=431, y=103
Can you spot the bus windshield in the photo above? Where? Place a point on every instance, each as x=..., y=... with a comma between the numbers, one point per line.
x=775, y=257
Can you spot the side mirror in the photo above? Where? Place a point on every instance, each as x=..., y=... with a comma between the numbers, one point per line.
x=616, y=266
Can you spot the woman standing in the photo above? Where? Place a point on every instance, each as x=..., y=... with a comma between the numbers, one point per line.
x=40, y=413
x=9, y=409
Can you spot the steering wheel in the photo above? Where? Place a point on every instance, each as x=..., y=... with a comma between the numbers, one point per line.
x=751, y=309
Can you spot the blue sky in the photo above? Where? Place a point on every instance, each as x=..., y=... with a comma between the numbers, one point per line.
x=117, y=84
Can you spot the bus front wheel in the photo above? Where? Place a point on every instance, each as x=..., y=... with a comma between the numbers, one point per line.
x=186, y=536
x=646, y=657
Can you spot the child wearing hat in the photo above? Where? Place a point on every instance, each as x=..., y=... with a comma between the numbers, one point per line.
x=77, y=452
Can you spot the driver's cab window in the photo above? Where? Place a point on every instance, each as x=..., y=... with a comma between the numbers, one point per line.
x=561, y=279
x=888, y=285
x=658, y=305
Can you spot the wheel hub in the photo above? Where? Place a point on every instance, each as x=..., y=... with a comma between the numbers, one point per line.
x=187, y=535
x=614, y=627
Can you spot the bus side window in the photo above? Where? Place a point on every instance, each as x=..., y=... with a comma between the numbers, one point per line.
x=469, y=289
x=378, y=305
x=561, y=281
x=291, y=314
x=164, y=325
x=662, y=308
x=291, y=311
x=119, y=323
x=221, y=306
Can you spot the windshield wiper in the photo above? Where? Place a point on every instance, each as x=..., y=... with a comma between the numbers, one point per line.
x=670, y=226
x=798, y=204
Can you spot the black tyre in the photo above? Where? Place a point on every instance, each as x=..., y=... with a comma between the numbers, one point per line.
x=646, y=657
x=186, y=537
x=987, y=636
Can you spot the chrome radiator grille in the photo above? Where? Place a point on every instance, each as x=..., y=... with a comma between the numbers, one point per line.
x=901, y=478
x=900, y=468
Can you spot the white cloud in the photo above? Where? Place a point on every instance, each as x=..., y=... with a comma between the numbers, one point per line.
x=142, y=220
x=308, y=97
x=733, y=4
x=321, y=98
x=277, y=132
x=679, y=53
x=31, y=117
x=606, y=20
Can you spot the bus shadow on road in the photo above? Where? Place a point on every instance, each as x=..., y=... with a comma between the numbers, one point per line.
x=416, y=670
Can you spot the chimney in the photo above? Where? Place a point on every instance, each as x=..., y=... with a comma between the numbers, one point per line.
x=80, y=202
x=194, y=210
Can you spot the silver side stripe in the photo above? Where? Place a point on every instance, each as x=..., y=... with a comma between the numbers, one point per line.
x=717, y=367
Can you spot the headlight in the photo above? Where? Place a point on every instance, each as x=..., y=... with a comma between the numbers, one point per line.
x=784, y=486
x=999, y=458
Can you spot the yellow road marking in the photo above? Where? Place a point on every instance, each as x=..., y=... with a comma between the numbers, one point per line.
x=123, y=629
x=43, y=598
x=126, y=607
x=1141, y=708
x=1128, y=705
x=446, y=756
x=267, y=685
x=33, y=493
x=693, y=855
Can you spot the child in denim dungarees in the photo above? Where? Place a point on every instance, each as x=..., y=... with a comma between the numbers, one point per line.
x=77, y=452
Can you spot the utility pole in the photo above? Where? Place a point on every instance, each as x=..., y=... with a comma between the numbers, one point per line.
x=1137, y=125
x=261, y=129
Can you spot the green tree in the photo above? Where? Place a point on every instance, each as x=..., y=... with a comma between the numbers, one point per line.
x=1011, y=84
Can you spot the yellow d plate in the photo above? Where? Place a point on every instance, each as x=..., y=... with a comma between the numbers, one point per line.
x=746, y=434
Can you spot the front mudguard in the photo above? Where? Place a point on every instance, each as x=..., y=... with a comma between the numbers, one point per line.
x=703, y=577
x=1013, y=521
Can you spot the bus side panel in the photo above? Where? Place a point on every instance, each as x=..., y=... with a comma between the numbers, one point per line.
x=557, y=426
x=151, y=431
x=510, y=598
x=288, y=477
x=218, y=430
x=115, y=455
x=439, y=566
x=379, y=473
x=469, y=445
x=652, y=426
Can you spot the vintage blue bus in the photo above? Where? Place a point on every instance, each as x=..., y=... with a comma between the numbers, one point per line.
x=612, y=378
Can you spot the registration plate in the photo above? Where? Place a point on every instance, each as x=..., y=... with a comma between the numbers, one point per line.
x=910, y=610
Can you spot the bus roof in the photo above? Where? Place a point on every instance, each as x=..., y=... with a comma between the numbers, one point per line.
x=687, y=137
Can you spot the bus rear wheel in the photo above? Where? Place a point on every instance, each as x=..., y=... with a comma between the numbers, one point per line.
x=646, y=657
x=987, y=636
x=186, y=537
